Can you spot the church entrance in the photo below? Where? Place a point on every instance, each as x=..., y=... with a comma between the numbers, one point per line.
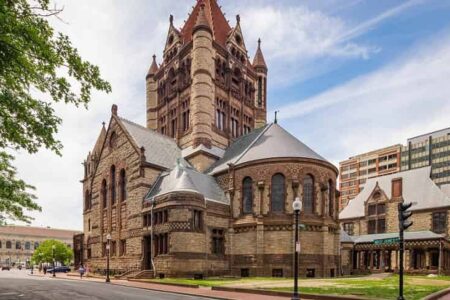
x=148, y=253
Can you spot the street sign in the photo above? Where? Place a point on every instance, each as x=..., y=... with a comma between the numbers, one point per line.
x=386, y=241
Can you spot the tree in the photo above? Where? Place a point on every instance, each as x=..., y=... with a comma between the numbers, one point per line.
x=44, y=253
x=38, y=68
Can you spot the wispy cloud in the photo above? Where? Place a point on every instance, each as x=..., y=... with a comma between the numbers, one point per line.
x=385, y=107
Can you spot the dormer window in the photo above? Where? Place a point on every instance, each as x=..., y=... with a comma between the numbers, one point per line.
x=238, y=39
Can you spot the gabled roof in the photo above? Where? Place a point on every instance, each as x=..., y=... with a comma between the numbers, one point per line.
x=270, y=141
x=100, y=140
x=185, y=178
x=417, y=186
x=216, y=20
x=160, y=150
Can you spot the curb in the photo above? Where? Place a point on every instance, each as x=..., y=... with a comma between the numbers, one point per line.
x=286, y=294
x=437, y=295
x=193, y=286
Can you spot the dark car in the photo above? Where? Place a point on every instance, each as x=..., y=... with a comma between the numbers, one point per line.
x=7, y=268
x=61, y=269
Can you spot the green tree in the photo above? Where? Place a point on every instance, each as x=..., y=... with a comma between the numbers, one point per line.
x=38, y=68
x=44, y=253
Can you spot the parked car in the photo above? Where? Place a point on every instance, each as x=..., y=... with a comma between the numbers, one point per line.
x=60, y=269
x=7, y=268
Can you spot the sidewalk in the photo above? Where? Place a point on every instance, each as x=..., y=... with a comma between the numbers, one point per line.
x=202, y=291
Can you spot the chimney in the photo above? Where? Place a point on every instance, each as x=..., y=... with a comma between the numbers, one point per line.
x=397, y=187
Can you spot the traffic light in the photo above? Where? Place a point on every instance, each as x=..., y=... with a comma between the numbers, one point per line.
x=403, y=216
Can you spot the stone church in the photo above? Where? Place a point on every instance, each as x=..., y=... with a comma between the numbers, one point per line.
x=206, y=187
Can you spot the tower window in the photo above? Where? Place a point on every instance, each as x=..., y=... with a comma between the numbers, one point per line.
x=185, y=115
x=221, y=117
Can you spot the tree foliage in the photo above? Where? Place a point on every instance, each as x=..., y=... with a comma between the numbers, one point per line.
x=38, y=68
x=44, y=253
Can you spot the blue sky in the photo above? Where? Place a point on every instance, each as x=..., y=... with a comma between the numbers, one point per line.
x=347, y=76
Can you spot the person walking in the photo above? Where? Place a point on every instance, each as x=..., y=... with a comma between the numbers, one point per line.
x=45, y=270
x=82, y=270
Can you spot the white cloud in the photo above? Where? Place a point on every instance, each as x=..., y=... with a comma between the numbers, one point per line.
x=406, y=98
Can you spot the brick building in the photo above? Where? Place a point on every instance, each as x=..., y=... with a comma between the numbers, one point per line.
x=17, y=243
x=369, y=240
x=206, y=188
x=355, y=171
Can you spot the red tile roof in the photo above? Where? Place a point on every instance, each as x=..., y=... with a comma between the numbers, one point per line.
x=216, y=20
x=259, y=60
x=38, y=232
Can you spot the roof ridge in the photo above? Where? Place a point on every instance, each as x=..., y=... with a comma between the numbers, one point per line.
x=253, y=142
x=147, y=129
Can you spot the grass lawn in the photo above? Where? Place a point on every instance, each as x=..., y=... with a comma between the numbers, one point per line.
x=416, y=287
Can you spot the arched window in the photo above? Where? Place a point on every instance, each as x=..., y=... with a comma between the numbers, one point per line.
x=247, y=195
x=113, y=185
x=18, y=245
x=36, y=245
x=123, y=185
x=89, y=224
x=87, y=200
x=278, y=193
x=104, y=192
x=8, y=245
x=308, y=194
x=330, y=198
x=27, y=245
x=113, y=140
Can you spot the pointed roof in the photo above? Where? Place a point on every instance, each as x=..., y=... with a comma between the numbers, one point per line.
x=160, y=150
x=184, y=178
x=259, y=60
x=270, y=141
x=153, y=68
x=100, y=140
x=215, y=19
x=417, y=186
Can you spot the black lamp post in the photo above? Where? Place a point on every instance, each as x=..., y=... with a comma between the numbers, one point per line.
x=297, y=206
x=53, y=256
x=108, y=246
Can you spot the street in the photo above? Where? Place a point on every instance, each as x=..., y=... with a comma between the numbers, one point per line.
x=17, y=284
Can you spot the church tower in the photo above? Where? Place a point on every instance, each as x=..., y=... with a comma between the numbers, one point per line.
x=206, y=92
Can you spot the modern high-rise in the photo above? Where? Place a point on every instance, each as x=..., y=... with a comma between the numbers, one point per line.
x=430, y=149
x=357, y=169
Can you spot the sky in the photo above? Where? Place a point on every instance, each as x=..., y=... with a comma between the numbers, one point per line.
x=347, y=76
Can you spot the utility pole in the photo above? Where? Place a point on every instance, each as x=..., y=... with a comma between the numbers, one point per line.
x=403, y=224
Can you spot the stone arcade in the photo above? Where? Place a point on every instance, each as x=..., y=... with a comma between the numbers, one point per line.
x=206, y=188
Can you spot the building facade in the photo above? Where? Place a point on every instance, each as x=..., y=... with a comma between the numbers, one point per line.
x=431, y=149
x=17, y=243
x=369, y=239
x=207, y=187
x=355, y=171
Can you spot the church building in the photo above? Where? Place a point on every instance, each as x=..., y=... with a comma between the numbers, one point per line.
x=206, y=186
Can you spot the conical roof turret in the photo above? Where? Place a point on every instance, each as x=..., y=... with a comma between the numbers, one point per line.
x=259, y=60
x=153, y=68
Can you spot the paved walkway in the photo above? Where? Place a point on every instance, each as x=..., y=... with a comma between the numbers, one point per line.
x=202, y=291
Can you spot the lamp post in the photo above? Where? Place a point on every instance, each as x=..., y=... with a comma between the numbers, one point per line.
x=297, y=206
x=53, y=256
x=108, y=238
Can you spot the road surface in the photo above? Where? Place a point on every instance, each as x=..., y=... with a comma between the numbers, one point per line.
x=17, y=284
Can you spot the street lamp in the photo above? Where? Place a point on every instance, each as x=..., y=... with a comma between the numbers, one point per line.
x=53, y=256
x=108, y=238
x=297, y=206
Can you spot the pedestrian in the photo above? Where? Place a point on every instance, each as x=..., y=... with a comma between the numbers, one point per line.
x=45, y=270
x=81, y=270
